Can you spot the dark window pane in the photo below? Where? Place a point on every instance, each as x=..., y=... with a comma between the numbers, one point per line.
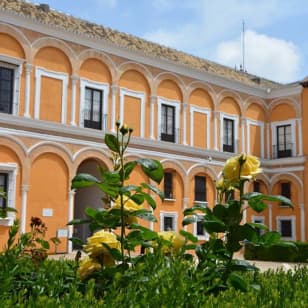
x=6, y=89
x=228, y=135
x=200, y=188
x=3, y=188
x=286, y=228
x=200, y=228
x=168, y=223
x=284, y=141
x=256, y=186
x=168, y=189
x=168, y=123
x=93, y=108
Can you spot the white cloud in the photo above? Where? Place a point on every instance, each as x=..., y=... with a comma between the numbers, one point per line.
x=265, y=56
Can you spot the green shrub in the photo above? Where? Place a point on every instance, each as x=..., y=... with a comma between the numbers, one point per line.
x=279, y=253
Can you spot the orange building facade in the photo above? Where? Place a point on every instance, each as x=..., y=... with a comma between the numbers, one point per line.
x=65, y=82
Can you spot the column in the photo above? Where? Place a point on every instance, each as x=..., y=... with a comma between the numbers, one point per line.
x=114, y=91
x=268, y=128
x=270, y=218
x=27, y=90
x=243, y=124
x=184, y=141
x=216, y=115
x=24, y=196
x=71, y=200
x=184, y=206
x=73, y=99
x=152, y=115
x=302, y=218
x=300, y=137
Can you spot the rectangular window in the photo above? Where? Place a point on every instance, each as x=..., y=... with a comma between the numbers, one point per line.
x=93, y=108
x=167, y=123
x=286, y=228
x=168, y=221
x=200, y=188
x=285, y=190
x=3, y=188
x=6, y=89
x=168, y=185
x=256, y=186
x=228, y=135
x=200, y=228
x=284, y=141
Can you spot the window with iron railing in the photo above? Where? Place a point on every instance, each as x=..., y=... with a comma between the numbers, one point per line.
x=228, y=135
x=284, y=142
x=200, y=189
x=168, y=123
x=168, y=185
x=6, y=89
x=93, y=108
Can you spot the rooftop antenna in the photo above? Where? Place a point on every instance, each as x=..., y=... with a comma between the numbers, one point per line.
x=243, y=48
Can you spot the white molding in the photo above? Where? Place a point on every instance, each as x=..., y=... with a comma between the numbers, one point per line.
x=174, y=215
x=250, y=122
x=207, y=112
x=284, y=218
x=42, y=72
x=274, y=125
x=174, y=103
x=136, y=94
x=101, y=86
x=236, y=121
x=284, y=169
x=204, y=237
x=11, y=169
x=303, y=222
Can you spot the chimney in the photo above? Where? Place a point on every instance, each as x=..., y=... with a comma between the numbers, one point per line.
x=44, y=7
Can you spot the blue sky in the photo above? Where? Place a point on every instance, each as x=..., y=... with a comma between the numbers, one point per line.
x=276, y=43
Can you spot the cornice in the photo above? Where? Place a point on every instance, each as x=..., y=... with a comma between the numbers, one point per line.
x=141, y=57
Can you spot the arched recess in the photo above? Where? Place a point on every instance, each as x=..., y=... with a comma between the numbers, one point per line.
x=170, y=86
x=210, y=176
x=195, y=85
x=88, y=197
x=104, y=58
x=48, y=192
x=283, y=109
x=49, y=42
x=134, y=99
x=229, y=101
x=19, y=37
x=257, y=101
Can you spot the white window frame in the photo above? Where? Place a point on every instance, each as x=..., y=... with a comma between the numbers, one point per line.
x=293, y=133
x=236, y=121
x=206, y=112
x=11, y=169
x=101, y=86
x=292, y=218
x=174, y=215
x=135, y=94
x=204, y=237
x=42, y=72
x=16, y=64
x=261, y=125
x=261, y=218
x=176, y=104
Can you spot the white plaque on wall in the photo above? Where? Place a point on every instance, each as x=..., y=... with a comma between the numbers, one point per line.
x=47, y=212
x=62, y=233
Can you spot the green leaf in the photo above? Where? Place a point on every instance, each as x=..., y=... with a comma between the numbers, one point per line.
x=128, y=168
x=78, y=221
x=279, y=198
x=214, y=226
x=154, y=189
x=286, y=244
x=112, y=143
x=111, y=190
x=270, y=238
x=116, y=254
x=189, y=236
x=148, y=235
x=138, y=198
x=44, y=243
x=152, y=168
x=145, y=215
x=238, y=282
x=189, y=220
x=193, y=209
x=150, y=201
x=257, y=204
x=111, y=177
x=91, y=212
x=84, y=180
x=76, y=241
x=258, y=226
x=242, y=265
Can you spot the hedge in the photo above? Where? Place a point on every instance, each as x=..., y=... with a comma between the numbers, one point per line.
x=277, y=253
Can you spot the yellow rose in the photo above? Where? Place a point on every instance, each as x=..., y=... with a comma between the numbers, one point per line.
x=94, y=246
x=176, y=240
x=243, y=165
x=129, y=204
x=87, y=266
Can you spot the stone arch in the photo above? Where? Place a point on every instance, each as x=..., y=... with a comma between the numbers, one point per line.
x=232, y=94
x=20, y=151
x=169, y=76
x=286, y=100
x=143, y=70
x=259, y=103
x=200, y=85
x=43, y=42
x=99, y=55
x=193, y=170
x=18, y=36
x=292, y=178
x=100, y=155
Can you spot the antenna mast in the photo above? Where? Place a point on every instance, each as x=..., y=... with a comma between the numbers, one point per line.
x=243, y=47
